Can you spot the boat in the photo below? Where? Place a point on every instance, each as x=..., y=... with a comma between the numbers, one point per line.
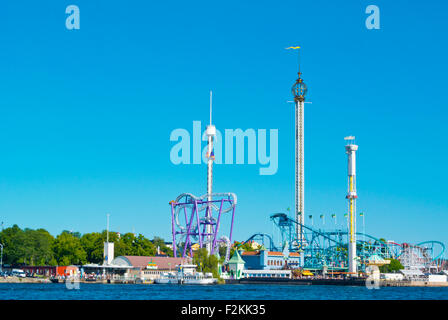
x=186, y=274
x=199, y=278
x=54, y=280
x=167, y=278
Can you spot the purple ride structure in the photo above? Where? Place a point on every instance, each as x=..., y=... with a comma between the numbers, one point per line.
x=193, y=219
x=193, y=222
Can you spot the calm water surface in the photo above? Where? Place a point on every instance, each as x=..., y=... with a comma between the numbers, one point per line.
x=218, y=292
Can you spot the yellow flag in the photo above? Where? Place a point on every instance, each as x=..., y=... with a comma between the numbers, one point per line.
x=293, y=47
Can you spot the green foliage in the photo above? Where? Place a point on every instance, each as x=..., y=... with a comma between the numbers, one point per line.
x=205, y=262
x=32, y=247
x=159, y=242
x=39, y=247
x=93, y=245
x=68, y=250
x=395, y=265
x=241, y=246
x=222, y=252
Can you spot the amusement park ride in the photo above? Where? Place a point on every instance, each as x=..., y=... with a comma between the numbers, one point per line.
x=198, y=219
x=338, y=250
x=329, y=248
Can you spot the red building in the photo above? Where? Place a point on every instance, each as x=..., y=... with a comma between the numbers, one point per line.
x=49, y=271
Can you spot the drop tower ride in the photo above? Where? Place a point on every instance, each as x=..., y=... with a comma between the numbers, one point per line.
x=299, y=90
x=350, y=150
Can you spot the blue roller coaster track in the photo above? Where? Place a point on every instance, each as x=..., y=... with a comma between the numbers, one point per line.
x=329, y=248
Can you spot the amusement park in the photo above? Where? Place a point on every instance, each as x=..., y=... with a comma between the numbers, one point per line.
x=196, y=222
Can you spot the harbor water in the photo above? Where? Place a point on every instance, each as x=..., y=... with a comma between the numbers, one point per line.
x=86, y=291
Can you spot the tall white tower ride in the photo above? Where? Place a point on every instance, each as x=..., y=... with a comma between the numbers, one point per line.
x=211, y=133
x=350, y=150
x=299, y=90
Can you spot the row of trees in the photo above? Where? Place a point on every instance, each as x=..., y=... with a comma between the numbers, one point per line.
x=39, y=247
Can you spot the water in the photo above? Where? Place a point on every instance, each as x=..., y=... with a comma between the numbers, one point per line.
x=87, y=291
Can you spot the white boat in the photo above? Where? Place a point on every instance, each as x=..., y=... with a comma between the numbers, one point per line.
x=167, y=278
x=199, y=278
x=186, y=274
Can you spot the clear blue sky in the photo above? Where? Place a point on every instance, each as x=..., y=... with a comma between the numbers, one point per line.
x=85, y=115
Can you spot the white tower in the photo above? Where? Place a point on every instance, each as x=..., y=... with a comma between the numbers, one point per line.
x=299, y=90
x=211, y=133
x=350, y=150
x=108, y=252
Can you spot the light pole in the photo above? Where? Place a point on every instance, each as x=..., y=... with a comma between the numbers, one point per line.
x=363, y=231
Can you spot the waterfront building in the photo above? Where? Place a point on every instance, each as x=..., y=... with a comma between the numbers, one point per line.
x=149, y=268
x=50, y=271
x=104, y=271
x=270, y=260
x=262, y=264
x=284, y=274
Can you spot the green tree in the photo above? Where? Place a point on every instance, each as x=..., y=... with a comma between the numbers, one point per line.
x=31, y=247
x=205, y=262
x=159, y=242
x=12, y=240
x=38, y=246
x=394, y=266
x=68, y=250
x=93, y=245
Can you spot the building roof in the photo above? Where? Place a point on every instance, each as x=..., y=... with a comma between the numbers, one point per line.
x=270, y=253
x=236, y=258
x=375, y=259
x=294, y=254
x=163, y=263
x=275, y=253
x=250, y=253
x=411, y=272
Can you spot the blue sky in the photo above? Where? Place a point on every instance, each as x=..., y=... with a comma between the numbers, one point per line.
x=86, y=115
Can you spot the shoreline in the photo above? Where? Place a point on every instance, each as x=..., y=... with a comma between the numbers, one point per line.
x=12, y=279
x=267, y=281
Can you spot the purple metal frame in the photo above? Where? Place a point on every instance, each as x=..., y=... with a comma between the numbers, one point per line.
x=201, y=223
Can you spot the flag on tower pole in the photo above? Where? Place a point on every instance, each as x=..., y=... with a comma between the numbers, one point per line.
x=298, y=54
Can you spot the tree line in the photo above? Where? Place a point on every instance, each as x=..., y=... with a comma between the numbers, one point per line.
x=40, y=248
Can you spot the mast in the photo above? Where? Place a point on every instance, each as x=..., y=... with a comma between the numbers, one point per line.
x=211, y=133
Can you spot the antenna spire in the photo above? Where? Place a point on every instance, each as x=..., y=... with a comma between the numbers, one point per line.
x=107, y=232
x=211, y=103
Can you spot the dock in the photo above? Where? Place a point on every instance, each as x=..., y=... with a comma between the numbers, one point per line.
x=336, y=282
